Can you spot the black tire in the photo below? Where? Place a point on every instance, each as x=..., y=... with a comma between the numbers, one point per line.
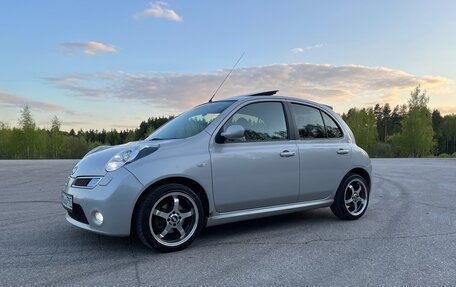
x=162, y=200
x=349, y=211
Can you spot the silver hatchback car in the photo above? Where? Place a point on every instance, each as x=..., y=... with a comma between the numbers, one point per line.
x=224, y=161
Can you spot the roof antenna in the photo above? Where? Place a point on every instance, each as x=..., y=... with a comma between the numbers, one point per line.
x=210, y=100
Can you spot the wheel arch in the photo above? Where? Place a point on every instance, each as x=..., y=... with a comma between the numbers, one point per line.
x=194, y=185
x=363, y=173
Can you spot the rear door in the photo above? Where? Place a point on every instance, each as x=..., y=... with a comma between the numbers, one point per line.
x=262, y=168
x=324, y=152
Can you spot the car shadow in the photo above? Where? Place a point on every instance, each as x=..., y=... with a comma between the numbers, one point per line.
x=262, y=227
x=266, y=225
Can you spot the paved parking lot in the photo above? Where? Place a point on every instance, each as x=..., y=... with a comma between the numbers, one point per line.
x=407, y=237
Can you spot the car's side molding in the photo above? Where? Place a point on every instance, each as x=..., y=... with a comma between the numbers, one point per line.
x=222, y=218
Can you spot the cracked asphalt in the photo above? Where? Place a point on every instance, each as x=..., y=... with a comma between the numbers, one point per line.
x=406, y=238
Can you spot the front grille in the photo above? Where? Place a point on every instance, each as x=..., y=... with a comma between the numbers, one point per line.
x=86, y=182
x=78, y=214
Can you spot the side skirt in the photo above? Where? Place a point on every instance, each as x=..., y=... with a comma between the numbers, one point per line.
x=233, y=216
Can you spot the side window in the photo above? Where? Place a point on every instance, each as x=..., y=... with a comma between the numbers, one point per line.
x=332, y=129
x=309, y=122
x=261, y=121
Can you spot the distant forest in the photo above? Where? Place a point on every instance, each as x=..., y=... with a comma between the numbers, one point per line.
x=27, y=141
x=409, y=130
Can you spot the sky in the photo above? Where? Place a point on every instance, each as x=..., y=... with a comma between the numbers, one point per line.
x=111, y=64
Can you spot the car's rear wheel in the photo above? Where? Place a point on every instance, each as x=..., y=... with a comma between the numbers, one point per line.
x=352, y=198
x=169, y=217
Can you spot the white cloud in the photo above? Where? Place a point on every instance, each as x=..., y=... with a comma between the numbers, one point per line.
x=307, y=48
x=14, y=101
x=159, y=10
x=342, y=86
x=88, y=48
x=74, y=85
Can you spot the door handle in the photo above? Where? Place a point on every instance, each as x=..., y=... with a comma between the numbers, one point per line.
x=343, y=151
x=287, y=153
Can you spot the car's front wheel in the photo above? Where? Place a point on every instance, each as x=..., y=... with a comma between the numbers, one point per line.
x=169, y=217
x=351, y=198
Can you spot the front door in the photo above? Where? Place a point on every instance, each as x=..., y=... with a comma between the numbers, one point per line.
x=262, y=168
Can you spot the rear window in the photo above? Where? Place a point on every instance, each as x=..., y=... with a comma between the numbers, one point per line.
x=314, y=124
x=332, y=129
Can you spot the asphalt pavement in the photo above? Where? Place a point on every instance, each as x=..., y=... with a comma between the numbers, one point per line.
x=406, y=238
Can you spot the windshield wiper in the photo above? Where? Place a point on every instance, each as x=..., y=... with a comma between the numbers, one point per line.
x=162, y=139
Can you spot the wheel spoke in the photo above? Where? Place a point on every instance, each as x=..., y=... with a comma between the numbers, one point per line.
x=348, y=201
x=165, y=231
x=355, y=204
x=176, y=203
x=358, y=190
x=352, y=189
x=181, y=231
x=161, y=214
x=187, y=214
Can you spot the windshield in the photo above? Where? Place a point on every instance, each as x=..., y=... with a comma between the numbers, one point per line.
x=191, y=122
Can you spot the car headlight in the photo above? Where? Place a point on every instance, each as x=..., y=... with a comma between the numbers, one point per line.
x=134, y=153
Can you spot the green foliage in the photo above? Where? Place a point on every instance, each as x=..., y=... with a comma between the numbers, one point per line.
x=26, y=121
x=447, y=141
x=363, y=125
x=75, y=147
x=5, y=140
x=389, y=121
x=56, y=138
x=416, y=138
x=444, y=155
x=27, y=141
x=381, y=149
x=28, y=133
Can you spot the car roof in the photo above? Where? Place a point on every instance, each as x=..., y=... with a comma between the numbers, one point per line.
x=271, y=94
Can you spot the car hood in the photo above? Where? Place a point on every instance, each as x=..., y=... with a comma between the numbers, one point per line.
x=94, y=163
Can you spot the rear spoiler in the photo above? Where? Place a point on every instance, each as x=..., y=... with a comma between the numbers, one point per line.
x=328, y=106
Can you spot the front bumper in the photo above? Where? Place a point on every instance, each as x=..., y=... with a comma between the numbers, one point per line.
x=114, y=197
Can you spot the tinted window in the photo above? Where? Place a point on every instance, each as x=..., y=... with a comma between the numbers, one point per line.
x=261, y=121
x=309, y=122
x=332, y=129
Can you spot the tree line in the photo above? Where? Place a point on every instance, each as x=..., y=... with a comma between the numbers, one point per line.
x=27, y=141
x=409, y=130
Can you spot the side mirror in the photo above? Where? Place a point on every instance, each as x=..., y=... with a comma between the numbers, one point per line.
x=233, y=132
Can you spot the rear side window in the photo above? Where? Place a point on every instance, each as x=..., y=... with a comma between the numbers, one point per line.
x=309, y=122
x=332, y=129
x=314, y=124
x=261, y=121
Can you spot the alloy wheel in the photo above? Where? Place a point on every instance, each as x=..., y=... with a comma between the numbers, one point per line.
x=173, y=218
x=356, y=197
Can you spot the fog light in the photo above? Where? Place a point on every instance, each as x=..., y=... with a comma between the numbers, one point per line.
x=98, y=218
